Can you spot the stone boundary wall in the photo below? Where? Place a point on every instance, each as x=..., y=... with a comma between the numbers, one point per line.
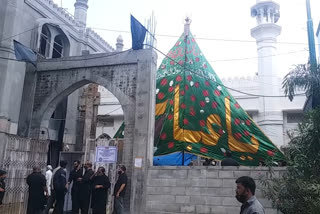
x=18, y=156
x=201, y=189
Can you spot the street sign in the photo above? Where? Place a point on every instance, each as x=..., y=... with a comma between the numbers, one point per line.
x=106, y=154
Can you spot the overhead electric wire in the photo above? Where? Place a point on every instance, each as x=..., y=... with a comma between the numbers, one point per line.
x=241, y=92
x=166, y=35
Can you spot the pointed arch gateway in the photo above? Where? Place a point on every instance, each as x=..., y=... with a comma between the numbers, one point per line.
x=130, y=77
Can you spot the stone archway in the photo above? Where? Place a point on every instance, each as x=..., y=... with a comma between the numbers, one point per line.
x=130, y=76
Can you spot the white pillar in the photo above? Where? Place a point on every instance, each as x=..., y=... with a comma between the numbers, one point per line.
x=270, y=117
x=80, y=12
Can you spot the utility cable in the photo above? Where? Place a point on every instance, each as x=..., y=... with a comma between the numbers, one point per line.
x=241, y=92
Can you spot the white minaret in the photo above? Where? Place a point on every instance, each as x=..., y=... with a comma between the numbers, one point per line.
x=80, y=12
x=270, y=116
x=119, y=44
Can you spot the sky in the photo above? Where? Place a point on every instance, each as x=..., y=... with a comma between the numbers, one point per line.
x=221, y=29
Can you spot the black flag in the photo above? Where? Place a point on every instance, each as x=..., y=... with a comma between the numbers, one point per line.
x=24, y=53
x=138, y=33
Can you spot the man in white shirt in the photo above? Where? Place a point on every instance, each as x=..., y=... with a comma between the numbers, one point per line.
x=49, y=179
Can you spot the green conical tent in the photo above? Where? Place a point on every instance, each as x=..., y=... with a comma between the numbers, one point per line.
x=120, y=132
x=195, y=113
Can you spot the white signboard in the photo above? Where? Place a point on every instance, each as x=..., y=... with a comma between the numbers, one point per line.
x=106, y=154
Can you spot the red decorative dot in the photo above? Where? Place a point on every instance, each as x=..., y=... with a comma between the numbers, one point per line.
x=202, y=103
x=205, y=93
x=270, y=153
x=205, y=65
x=171, y=89
x=163, y=136
x=164, y=81
x=186, y=87
x=170, y=145
x=203, y=150
x=163, y=66
x=197, y=59
x=197, y=84
x=221, y=131
x=178, y=78
x=188, y=41
x=207, y=83
x=237, y=121
x=171, y=102
x=202, y=123
x=193, y=40
x=180, y=62
x=192, y=112
x=248, y=122
x=246, y=133
x=183, y=106
x=160, y=95
x=185, y=121
x=217, y=92
x=178, y=43
x=193, y=98
x=238, y=135
x=189, y=77
x=214, y=104
x=237, y=105
x=182, y=92
x=170, y=116
x=171, y=62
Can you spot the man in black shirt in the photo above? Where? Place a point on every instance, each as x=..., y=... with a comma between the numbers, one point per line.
x=3, y=175
x=59, y=186
x=120, y=190
x=229, y=161
x=37, y=188
x=74, y=176
x=100, y=184
x=85, y=188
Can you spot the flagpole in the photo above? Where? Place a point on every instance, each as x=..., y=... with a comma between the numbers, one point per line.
x=312, y=50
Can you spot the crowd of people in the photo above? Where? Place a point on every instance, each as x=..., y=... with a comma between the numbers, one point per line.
x=89, y=189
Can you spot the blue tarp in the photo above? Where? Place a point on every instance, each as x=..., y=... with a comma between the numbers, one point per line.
x=174, y=159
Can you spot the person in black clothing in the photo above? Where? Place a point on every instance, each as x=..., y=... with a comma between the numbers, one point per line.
x=100, y=184
x=120, y=190
x=85, y=188
x=75, y=174
x=59, y=185
x=229, y=161
x=37, y=189
x=3, y=175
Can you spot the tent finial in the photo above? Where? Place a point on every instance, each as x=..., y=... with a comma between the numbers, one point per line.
x=187, y=26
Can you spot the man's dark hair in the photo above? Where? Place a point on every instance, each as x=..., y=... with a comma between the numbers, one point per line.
x=63, y=164
x=248, y=183
x=102, y=169
x=77, y=161
x=228, y=154
x=2, y=172
x=36, y=169
x=123, y=168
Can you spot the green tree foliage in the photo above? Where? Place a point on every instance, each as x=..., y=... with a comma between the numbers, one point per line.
x=301, y=78
x=298, y=190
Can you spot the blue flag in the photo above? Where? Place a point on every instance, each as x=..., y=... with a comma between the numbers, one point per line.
x=24, y=53
x=138, y=33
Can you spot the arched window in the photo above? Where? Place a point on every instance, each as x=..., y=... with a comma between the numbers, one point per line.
x=45, y=38
x=57, y=47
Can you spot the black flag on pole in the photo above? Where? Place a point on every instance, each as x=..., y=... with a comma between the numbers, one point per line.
x=138, y=33
x=24, y=53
